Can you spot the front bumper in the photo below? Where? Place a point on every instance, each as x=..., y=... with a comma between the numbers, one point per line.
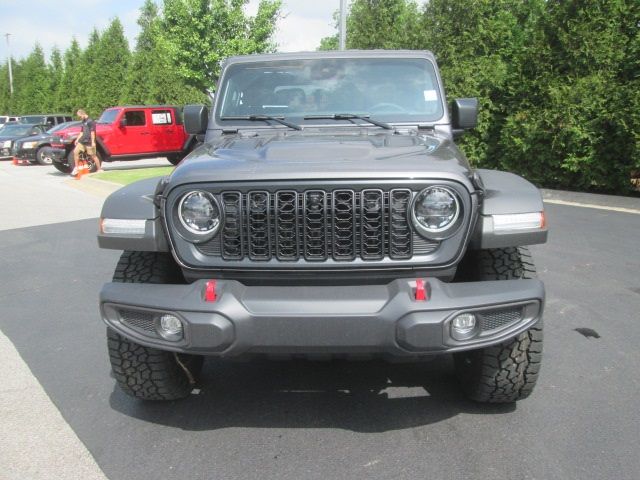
x=59, y=155
x=378, y=319
x=26, y=154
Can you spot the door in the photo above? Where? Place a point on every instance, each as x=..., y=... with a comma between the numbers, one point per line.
x=166, y=134
x=134, y=133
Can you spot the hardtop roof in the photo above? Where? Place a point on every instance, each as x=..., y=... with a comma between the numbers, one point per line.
x=264, y=57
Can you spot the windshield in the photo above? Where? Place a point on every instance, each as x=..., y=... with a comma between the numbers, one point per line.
x=109, y=116
x=8, y=130
x=62, y=126
x=389, y=89
x=32, y=119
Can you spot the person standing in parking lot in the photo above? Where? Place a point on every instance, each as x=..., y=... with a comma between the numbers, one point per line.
x=86, y=142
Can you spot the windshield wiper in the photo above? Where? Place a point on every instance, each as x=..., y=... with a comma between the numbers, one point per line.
x=264, y=118
x=350, y=116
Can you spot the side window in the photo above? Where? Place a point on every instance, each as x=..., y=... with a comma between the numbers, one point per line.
x=60, y=119
x=51, y=121
x=135, y=118
x=161, y=117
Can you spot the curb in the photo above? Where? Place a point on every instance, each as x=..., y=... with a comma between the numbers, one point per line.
x=37, y=443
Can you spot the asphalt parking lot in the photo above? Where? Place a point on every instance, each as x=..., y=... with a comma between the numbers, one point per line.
x=297, y=419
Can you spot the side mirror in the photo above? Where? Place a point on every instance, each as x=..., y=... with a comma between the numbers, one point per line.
x=196, y=119
x=123, y=122
x=464, y=113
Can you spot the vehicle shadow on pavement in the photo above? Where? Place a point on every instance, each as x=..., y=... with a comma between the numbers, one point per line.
x=363, y=397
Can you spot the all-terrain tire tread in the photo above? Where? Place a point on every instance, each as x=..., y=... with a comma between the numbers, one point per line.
x=506, y=372
x=145, y=372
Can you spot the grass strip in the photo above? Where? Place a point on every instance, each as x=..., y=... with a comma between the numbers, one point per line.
x=125, y=177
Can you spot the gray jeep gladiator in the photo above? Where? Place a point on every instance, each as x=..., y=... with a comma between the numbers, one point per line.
x=327, y=213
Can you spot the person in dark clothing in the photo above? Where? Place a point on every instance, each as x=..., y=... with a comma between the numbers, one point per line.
x=86, y=142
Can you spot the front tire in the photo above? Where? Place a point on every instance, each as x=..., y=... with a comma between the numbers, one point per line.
x=151, y=374
x=144, y=372
x=506, y=372
x=43, y=156
x=61, y=167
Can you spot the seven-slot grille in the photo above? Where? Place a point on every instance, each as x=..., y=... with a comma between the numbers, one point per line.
x=316, y=225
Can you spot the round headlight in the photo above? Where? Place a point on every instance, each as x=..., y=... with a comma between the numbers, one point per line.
x=199, y=213
x=436, y=211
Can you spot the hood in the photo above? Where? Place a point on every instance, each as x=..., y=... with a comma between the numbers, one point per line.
x=11, y=137
x=34, y=138
x=321, y=155
x=66, y=131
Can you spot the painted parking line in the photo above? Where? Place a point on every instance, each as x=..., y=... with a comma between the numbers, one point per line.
x=591, y=205
x=36, y=442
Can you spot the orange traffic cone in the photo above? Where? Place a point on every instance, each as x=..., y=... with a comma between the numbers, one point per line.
x=83, y=169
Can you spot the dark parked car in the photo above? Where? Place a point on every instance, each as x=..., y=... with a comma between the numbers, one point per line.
x=36, y=149
x=10, y=133
x=49, y=119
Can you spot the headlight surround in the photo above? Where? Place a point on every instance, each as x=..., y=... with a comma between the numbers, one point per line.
x=436, y=212
x=200, y=215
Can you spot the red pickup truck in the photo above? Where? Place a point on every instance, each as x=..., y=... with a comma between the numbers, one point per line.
x=132, y=133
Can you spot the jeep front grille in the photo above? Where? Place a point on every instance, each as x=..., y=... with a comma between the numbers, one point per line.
x=317, y=225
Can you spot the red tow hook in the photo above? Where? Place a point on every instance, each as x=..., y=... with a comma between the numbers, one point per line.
x=210, y=291
x=423, y=290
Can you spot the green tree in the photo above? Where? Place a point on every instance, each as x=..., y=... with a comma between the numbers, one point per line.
x=577, y=124
x=152, y=77
x=330, y=43
x=85, y=76
x=109, y=69
x=56, y=72
x=386, y=24
x=201, y=33
x=6, y=105
x=31, y=83
x=374, y=24
x=67, y=93
x=479, y=45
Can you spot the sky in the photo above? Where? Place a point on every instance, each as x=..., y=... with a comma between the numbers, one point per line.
x=55, y=22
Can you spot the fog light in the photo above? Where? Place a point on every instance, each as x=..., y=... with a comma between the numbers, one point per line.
x=463, y=326
x=170, y=327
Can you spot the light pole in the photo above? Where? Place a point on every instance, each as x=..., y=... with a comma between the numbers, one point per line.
x=343, y=24
x=10, y=71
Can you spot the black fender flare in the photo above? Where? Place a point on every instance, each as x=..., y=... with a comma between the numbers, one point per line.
x=136, y=201
x=505, y=193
